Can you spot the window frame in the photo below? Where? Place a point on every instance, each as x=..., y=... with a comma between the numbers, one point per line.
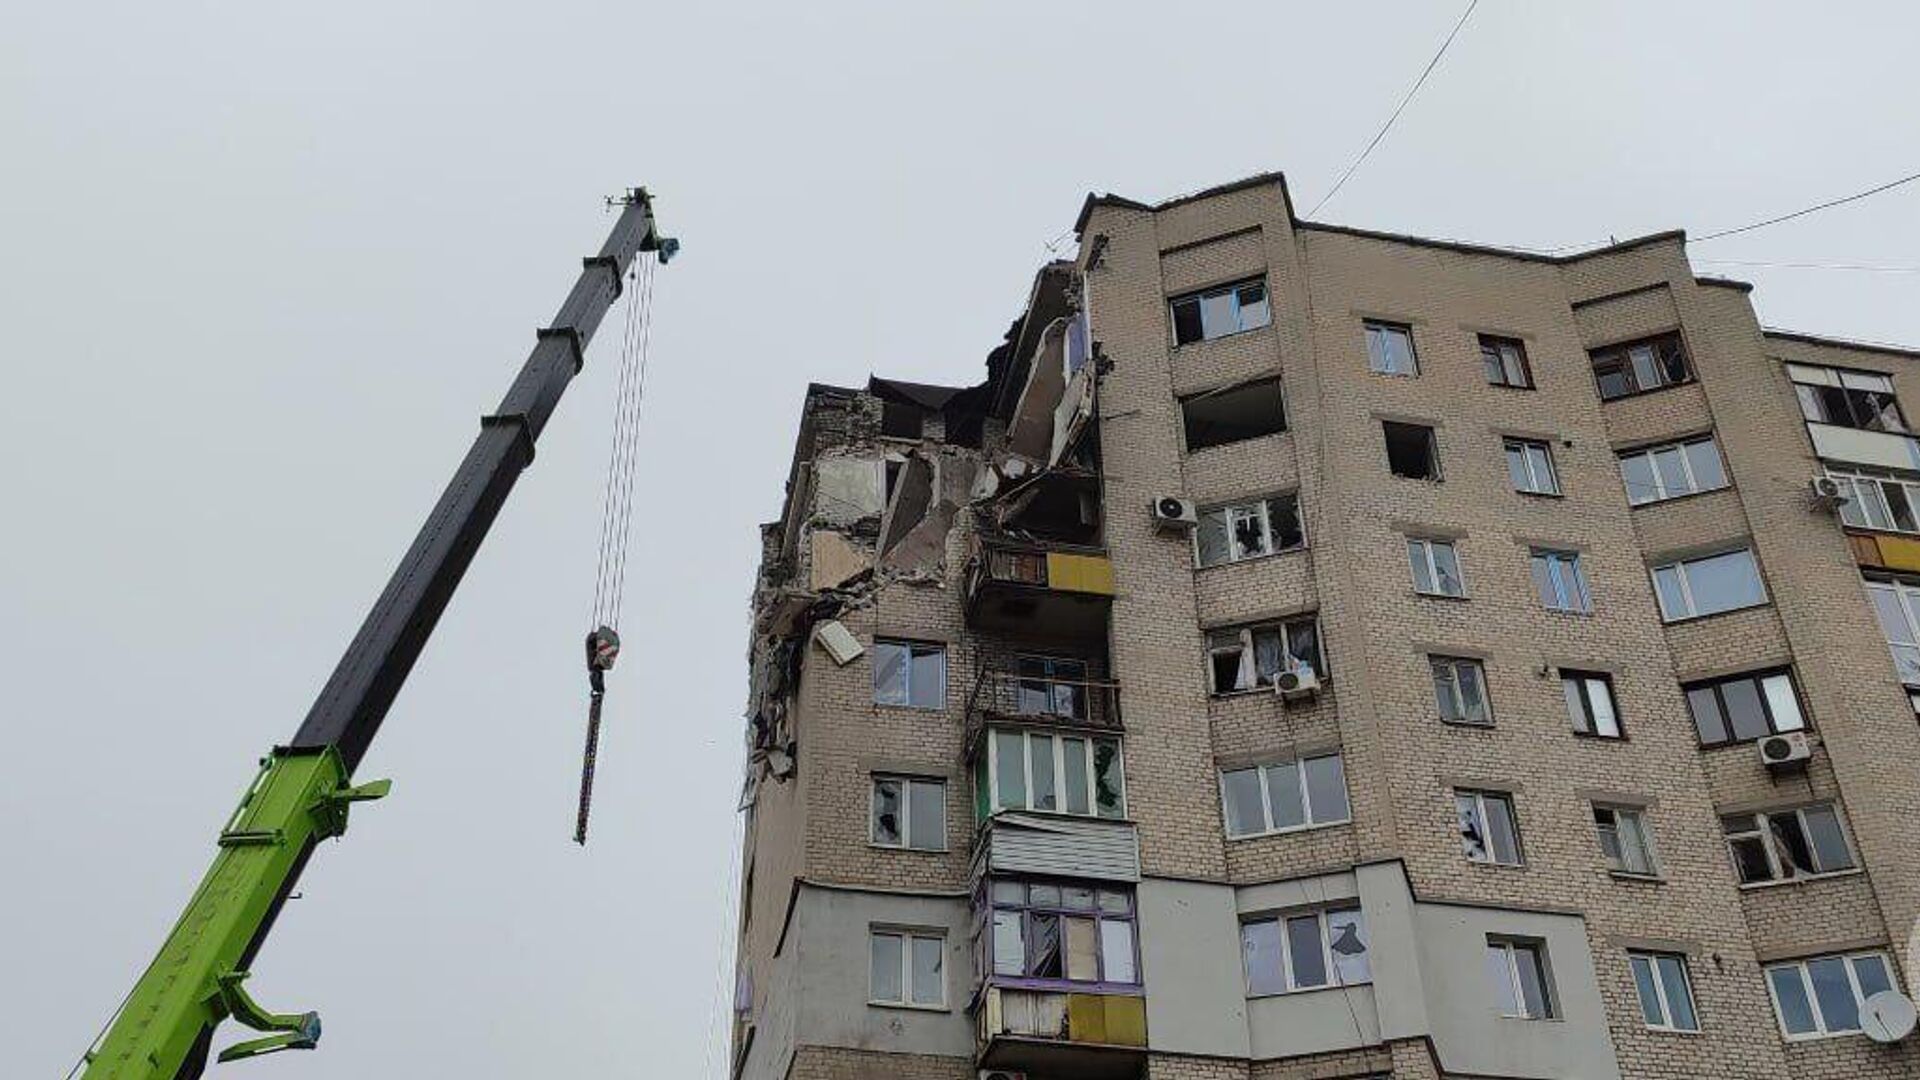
x=1661, y=495
x=1431, y=565
x=1308, y=816
x=1800, y=967
x=1585, y=721
x=1028, y=908
x=1881, y=483
x=1494, y=342
x=1230, y=289
x=1621, y=353
x=1090, y=741
x=1434, y=474
x=1187, y=423
x=1906, y=598
x=1480, y=797
x=1663, y=994
x=1262, y=508
x=1324, y=916
x=1810, y=402
x=913, y=648
x=1511, y=948
x=1386, y=327
x=1641, y=832
x=1759, y=679
x=906, y=782
x=1452, y=665
x=1247, y=648
x=1679, y=568
x=1761, y=830
x=1509, y=444
x=907, y=935
x=1557, y=563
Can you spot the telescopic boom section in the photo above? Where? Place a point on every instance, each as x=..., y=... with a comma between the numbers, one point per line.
x=301, y=794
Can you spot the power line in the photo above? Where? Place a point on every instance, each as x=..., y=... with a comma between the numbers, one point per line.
x=1809, y=210
x=1814, y=266
x=1417, y=84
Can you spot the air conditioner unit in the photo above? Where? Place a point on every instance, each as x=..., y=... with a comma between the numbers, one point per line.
x=1001, y=1074
x=1827, y=491
x=1172, y=512
x=1784, y=751
x=1296, y=685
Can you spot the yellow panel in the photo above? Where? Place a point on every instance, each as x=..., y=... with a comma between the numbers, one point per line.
x=1086, y=1018
x=1899, y=553
x=1080, y=573
x=1127, y=1021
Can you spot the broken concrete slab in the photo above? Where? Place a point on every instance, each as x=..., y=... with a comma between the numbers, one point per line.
x=834, y=560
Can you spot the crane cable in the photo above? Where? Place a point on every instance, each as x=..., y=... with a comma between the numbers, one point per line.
x=616, y=521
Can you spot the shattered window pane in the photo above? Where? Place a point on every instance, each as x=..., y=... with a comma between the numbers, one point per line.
x=1303, y=645
x=1213, y=537
x=1249, y=533
x=1107, y=781
x=886, y=812
x=1347, y=940
x=1186, y=321
x=1269, y=647
x=1043, y=931
x=890, y=660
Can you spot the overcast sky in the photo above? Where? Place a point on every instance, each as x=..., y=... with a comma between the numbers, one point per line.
x=262, y=267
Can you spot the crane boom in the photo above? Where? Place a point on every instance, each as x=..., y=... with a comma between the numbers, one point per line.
x=300, y=796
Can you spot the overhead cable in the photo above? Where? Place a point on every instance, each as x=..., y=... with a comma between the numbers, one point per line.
x=1856, y=196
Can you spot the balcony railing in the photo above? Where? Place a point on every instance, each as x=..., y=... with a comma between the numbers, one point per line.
x=1093, y=1035
x=1003, y=695
x=1039, y=586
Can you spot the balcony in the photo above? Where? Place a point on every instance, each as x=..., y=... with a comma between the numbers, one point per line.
x=1041, y=700
x=1040, y=588
x=1857, y=446
x=1066, y=1033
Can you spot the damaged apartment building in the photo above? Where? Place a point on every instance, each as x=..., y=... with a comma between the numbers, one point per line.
x=1318, y=653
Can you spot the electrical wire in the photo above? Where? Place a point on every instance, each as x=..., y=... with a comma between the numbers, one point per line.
x=1382, y=133
x=1813, y=266
x=1856, y=196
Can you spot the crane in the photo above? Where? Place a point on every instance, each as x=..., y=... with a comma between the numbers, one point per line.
x=300, y=796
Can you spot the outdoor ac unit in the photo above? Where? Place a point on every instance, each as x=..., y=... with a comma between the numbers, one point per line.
x=1827, y=491
x=1782, y=751
x=1001, y=1074
x=1173, y=512
x=1296, y=685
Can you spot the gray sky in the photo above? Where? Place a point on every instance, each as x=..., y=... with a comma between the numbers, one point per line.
x=265, y=265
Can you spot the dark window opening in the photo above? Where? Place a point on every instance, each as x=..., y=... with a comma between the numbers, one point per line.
x=1635, y=367
x=1236, y=413
x=1411, y=451
x=1506, y=361
x=899, y=420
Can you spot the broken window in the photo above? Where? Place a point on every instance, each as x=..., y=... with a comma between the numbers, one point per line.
x=1050, y=932
x=1436, y=567
x=1777, y=845
x=1559, y=581
x=1590, y=703
x=1460, y=690
x=1741, y=708
x=1249, y=657
x=1530, y=467
x=1635, y=367
x=1217, y=312
x=907, y=967
x=909, y=812
x=1390, y=349
x=1056, y=772
x=1305, y=951
x=1624, y=839
x=1248, y=530
x=1708, y=585
x=1855, y=399
x=1285, y=795
x=1411, y=451
x=1052, y=686
x=909, y=673
x=1247, y=411
x=1506, y=362
x=1489, y=832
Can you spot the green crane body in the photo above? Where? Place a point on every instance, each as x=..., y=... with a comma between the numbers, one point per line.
x=164, y=1029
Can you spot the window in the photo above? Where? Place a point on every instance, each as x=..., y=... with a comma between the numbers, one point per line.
x=1517, y=970
x=1506, y=360
x=1635, y=367
x=1390, y=349
x=1855, y=399
x=1590, y=703
x=1460, y=689
x=1054, y=932
x=910, y=673
x=1488, y=830
x=1229, y=309
x=907, y=967
x=1436, y=567
x=1248, y=530
x=1671, y=470
x=909, y=812
x=1897, y=604
x=1666, y=994
x=1559, y=582
x=1248, y=411
x=1625, y=839
x=1052, y=686
x=1822, y=995
x=1742, y=708
x=1780, y=845
x=1878, y=500
x=1285, y=795
x=1411, y=451
x=1708, y=585
x=1056, y=773
x=1305, y=951
x=1250, y=657
x=1530, y=467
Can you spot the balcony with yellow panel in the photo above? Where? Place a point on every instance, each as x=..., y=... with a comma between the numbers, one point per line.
x=1039, y=588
